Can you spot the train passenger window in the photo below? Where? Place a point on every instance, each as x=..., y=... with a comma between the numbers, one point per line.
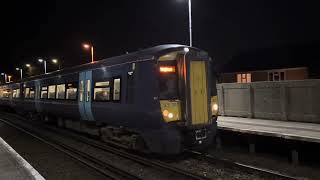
x=44, y=93
x=5, y=93
x=52, y=92
x=116, y=89
x=81, y=90
x=71, y=91
x=61, y=91
x=102, y=91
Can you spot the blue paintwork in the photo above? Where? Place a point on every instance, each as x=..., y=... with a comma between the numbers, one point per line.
x=85, y=106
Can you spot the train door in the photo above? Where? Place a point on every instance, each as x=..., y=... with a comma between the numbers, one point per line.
x=84, y=100
x=199, y=97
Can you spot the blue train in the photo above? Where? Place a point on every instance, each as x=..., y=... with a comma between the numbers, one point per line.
x=159, y=100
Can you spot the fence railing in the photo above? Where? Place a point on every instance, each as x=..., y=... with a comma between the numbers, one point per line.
x=285, y=100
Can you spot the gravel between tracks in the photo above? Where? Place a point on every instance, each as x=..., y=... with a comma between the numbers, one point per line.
x=50, y=163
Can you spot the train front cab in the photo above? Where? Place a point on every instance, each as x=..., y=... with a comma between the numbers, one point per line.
x=188, y=96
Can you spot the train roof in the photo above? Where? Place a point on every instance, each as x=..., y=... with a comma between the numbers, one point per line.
x=146, y=54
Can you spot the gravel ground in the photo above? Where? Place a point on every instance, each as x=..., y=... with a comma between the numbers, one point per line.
x=219, y=171
x=201, y=167
x=272, y=161
x=51, y=164
x=142, y=171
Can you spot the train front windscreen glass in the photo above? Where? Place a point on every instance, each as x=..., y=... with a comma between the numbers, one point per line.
x=168, y=82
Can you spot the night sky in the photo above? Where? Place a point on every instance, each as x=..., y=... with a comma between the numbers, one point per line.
x=226, y=29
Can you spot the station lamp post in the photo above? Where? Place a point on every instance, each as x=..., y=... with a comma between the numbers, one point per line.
x=20, y=69
x=44, y=63
x=88, y=46
x=190, y=22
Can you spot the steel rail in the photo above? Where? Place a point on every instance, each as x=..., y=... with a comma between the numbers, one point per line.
x=106, y=169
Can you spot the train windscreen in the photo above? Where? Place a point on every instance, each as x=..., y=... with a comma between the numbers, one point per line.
x=168, y=81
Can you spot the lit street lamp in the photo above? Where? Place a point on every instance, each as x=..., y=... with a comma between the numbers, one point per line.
x=87, y=46
x=55, y=61
x=20, y=69
x=9, y=78
x=44, y=63
x=28, y=65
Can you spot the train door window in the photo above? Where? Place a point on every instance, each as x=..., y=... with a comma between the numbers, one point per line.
x=88, y=90
x=18, y=93
x=61, y=91
x=117, y=89
x=14, y=95
x=101, y=91
x=52, y=92
x=81, y=90
x=44, y=92
x=32, y=93
x=71, y=91
x=27, y=93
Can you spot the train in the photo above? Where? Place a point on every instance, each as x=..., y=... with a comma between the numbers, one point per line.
x=159, y=100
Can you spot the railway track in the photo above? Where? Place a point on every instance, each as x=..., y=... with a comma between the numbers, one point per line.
x=158, y=164
x=211, y=158
x=104, y=147
x=102, y=167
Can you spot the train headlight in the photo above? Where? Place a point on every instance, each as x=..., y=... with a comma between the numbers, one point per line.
x=165, y=113
x=214, y=106
x=171, y=110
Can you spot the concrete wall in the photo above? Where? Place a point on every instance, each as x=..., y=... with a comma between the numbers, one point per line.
x=286, y=100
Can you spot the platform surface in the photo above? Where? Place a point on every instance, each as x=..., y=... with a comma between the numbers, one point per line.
x=283, y=129
x=13, y=166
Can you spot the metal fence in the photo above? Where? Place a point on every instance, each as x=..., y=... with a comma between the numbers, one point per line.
x=286, y=100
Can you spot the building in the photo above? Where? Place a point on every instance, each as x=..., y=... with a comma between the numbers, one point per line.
x=298, y=73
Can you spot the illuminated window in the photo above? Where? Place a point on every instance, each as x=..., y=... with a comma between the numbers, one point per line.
x=102, y=91
x=72, y=91
x=29, y=93
x=14, y=95
x=61, y=91
x=44, y=93
x=81, y=91
x=52, y=92
x=116, y=89
x=88, y=90
x=244, y=78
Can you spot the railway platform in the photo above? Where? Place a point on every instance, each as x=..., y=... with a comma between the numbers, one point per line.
x=308, y=132
x=287, y=130
x=13, y=166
